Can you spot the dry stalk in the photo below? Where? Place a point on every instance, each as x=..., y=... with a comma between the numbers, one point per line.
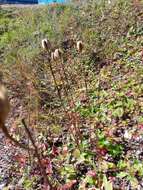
x=43, y=172
x=55, y=81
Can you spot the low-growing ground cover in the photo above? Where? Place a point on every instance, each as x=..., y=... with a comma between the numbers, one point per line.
x=89, y=133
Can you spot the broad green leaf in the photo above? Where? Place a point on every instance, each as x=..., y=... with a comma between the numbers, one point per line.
x=107, y=184
x=76, y=153
x=122, y=174
x=134, y=183
x=118, y=112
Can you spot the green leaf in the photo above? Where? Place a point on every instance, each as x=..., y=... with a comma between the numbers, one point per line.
x=134, y=182
x=107, y=184
x=90, y=180
x=122, y=164
x=118, y=112
x=28, y=184
x=122, y=174
x=56, y=129
x=76, y=153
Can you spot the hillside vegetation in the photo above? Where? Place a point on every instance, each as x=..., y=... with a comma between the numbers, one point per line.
x=84, y=111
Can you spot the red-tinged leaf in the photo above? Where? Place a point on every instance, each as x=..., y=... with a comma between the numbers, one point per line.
x=109, y=133
x=42, y=147
x=45, y=161
x=141, y=126
x=55, y=151
x=102, y=151
x=129, y=93
x=21, y=159
x=49, y=169
x=47, y=164
x=45, y=187
x=112, y=179
x=68, y=186
x=72, y=104
x=84, y=99
x=65, y=150
x=91, y=173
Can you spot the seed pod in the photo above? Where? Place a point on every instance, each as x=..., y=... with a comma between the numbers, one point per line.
x=46, y=45
x=4, y=104
x=79, y=46
x=4, y=110
x=57, y=54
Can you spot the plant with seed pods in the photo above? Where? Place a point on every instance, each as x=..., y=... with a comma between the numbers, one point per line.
x=57, y=55
x=46, y=45
x=79, y=47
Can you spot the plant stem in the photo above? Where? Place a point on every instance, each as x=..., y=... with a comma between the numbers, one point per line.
x=55, y=82
x=43, y=172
